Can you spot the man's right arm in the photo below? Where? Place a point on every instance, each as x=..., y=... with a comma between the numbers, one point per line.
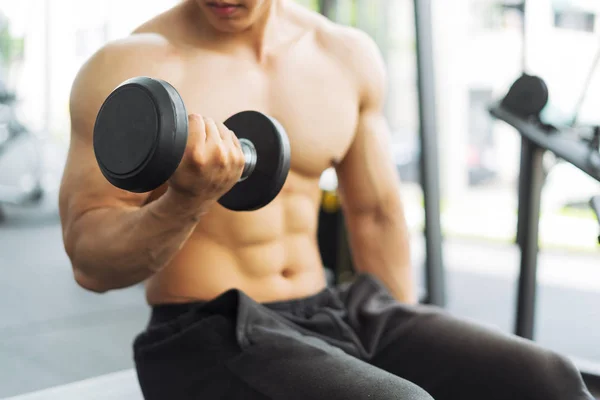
x=112, y=239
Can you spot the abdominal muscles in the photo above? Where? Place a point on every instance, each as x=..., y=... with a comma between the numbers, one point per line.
x=270, y=254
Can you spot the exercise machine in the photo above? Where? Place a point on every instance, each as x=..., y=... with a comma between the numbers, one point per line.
x=522, y=108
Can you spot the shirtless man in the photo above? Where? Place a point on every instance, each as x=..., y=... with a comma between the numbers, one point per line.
x=240, y=304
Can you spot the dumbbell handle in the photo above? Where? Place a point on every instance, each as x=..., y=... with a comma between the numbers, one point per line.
x=249, y=158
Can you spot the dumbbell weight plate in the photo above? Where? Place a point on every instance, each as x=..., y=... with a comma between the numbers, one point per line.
x=272, y=162
x=140, y=134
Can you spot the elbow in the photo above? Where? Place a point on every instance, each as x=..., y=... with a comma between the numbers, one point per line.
x=82, y=276
x=80, y=268
x=89, y=283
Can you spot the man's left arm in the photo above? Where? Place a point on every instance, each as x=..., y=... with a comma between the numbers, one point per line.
x=369, y=187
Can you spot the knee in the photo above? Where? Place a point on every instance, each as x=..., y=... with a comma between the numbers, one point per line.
x=420, y=394
x=403, y=389
x=417, y=393
x=557, y=378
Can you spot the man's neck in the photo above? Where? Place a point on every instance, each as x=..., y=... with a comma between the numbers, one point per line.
x=260, y=38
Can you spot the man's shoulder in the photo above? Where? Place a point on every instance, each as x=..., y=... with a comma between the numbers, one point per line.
x=336, y=36
x=356, y=51
x=332, y=35
x=138, y=47
x=149, y=46
x=140, y=53
x=351, y=46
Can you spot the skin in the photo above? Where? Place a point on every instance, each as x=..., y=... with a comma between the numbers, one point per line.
x=325, y=83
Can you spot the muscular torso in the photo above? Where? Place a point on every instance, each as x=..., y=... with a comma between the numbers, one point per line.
x=271, y=254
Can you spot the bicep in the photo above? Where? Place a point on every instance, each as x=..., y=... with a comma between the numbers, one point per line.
x=83, y=186
x=367, y=175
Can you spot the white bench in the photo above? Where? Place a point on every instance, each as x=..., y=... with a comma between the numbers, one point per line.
x=121, y=385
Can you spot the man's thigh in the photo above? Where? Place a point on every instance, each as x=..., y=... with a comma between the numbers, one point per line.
x=297, y=367
x=204, y=359
x=453, y=358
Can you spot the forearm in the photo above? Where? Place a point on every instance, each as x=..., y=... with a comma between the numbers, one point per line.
x=380, y=246
x=116, y=248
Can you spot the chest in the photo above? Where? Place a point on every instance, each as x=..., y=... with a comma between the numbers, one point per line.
x=310, y=96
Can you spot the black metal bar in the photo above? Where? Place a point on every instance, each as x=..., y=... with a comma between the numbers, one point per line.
x=434, y=269
x=532, y=177
x=521, y=190
x=565, y=146
x=521, y=7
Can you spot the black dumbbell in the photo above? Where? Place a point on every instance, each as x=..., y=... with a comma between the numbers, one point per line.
x=141, y=133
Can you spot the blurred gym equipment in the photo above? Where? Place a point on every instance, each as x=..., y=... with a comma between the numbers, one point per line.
x=568, y=143
x=25, y=188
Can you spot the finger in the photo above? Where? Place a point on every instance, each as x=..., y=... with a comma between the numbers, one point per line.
x=240, y=157
x=235, y=140
x=230, y=140
x=228, y=136
x=233, y=143
x=224, y=132
x=196, y=129
x=212, y=131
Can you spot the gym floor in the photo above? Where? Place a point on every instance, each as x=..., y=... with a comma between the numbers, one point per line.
x=52, y=332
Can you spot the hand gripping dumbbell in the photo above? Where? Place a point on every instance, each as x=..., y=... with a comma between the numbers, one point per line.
x=141, y=133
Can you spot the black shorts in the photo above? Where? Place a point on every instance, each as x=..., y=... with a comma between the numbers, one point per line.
x=348, y=342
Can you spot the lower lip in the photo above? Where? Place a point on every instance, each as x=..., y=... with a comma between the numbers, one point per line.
x=224, y=11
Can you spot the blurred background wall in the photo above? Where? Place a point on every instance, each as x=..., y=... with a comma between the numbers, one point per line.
x=480, y=48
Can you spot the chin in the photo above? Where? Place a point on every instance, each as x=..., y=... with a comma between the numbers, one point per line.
x=231, y=26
